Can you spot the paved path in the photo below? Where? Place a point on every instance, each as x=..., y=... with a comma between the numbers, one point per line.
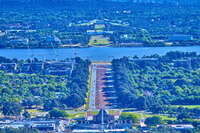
x=100, y=84
x=93, y=88
x=98, y=97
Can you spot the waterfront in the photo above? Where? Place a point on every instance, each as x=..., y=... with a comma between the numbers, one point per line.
x=94, y=53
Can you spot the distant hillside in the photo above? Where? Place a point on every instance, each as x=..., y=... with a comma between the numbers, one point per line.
x=181, y=2
x=177, y=2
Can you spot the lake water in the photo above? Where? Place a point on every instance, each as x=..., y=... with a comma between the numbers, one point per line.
x=94, y=54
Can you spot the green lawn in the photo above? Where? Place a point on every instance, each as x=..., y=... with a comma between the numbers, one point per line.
x=111, y=112
x=117, y=24
x=99, y=40
x=97, y=26
x=186, y=106
x=36, y=112
x=89, y=89
x=138, y=115
x=76, y=115
x=163, y=117
x=143, y=115
x=84, y=24
x=94, y=112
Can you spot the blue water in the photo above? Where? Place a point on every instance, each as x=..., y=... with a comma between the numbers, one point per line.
x=94, y=54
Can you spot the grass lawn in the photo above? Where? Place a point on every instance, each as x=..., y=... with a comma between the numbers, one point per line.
x=76, y=115
x=70, y=45
x=1, y=115
x=111, y=112
x=186, y=106
x=163, y=117
x=89, y=89
x=94, y=112
x=168, y=43
x=83, y=24
x=99, y=40
x=118, y=24
x=35, y=112
x=99, y=26
x=138, y=115
x=143, y=115
x=99, y=30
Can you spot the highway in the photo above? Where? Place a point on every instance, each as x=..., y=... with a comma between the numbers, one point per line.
x=93, y=88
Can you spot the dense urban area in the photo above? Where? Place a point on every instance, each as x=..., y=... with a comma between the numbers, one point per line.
x=153, y=92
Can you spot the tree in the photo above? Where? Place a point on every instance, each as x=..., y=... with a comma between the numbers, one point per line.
x=140, y=102
x=21, y=130
x=132, y=117
x=165, y=130
x=12, y=108
x=75, y=100
x=183, y=115
x=50, y=104
x=29, y=102
x=26, y=114
x=55, y=113
x=153, y=121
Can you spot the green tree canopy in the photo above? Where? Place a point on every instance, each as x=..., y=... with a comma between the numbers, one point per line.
x=55, y=113
x=153, y=121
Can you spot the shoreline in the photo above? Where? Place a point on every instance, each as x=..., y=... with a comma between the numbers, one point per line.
x=79, y=47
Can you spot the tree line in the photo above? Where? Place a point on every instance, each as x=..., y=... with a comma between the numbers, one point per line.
x=48, y=92
x=151, y=84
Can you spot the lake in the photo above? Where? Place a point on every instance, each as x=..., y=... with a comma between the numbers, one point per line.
x=94, y=53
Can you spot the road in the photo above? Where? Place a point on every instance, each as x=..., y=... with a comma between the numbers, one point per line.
x=102, y=93
x=97, y=99
x=93, y=88
x=101, y=99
